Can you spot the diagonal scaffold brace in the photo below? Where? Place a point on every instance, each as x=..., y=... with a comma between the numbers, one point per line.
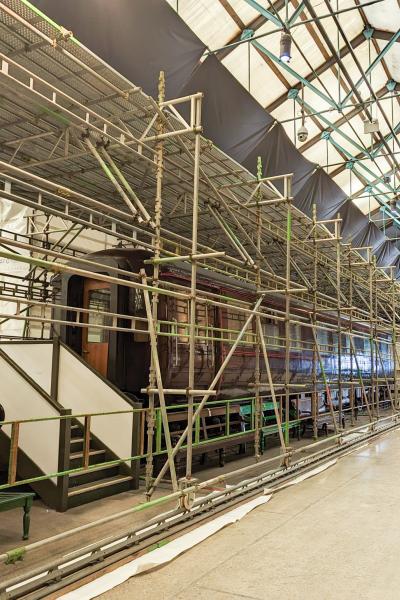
x=156, y=365
x=208, y=392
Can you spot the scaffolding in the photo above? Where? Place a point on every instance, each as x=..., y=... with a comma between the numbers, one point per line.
x=98, y=163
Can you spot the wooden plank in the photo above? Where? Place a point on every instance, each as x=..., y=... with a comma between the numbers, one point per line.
x=86, y=443
x=13, y=456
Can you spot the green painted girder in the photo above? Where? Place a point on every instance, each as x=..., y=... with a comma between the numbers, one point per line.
x=353, y=161
x=387, y=138
x=264, y=12
x=297, y=13
x=332, y=126
x=383, y=207
x=294, y=94
x=294, y=73
x=375, y=62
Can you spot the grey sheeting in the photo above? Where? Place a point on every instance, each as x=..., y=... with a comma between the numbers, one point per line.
x=138, y=38
x=232, y=119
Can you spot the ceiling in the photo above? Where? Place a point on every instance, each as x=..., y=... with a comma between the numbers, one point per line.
x=345, y=69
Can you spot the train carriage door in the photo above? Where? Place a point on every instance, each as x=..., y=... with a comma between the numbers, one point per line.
x=96, y=297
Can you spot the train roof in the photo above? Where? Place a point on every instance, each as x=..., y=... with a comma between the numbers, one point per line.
x=127, y=258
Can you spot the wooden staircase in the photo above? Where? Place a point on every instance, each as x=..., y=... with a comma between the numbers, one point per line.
x=97, y=482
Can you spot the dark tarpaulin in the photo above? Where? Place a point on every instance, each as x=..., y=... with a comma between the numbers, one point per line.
x=138, y=38
x=370, y=236
x=387, y=255
x=279, y=156
x=393, y=231
x=322, y=191
x=353, y=221
x=231, y=117
x=396, y=265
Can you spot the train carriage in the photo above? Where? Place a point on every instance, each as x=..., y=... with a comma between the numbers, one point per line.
x=124, y=357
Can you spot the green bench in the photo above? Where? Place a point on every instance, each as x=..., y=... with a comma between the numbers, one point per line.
x=9, y=500
x=246, y=412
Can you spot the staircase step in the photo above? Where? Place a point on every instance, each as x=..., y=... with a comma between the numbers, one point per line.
x=95, y=456
x=77, y=444
x=93, y=474
x=100, y=489
x=76, y=431
x=102, y=483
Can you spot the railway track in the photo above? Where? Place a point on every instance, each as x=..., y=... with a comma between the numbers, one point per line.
x=56, y=575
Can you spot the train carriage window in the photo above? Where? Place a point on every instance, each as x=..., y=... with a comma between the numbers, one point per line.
x=182, y=316
x=271, y=332
x=234, y=323
x=202, y=321
x=138, y=302
x=98, y=300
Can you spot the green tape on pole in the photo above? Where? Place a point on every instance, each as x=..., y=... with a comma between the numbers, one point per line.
x=158, y=545
x=259, y=167
x=289, y=227
x=14, y=555
x=42, y=15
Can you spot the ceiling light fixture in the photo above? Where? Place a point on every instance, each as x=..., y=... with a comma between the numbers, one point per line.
x=285, y=47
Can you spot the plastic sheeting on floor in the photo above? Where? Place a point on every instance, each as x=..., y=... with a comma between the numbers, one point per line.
x=164, y=554
x=303, y=477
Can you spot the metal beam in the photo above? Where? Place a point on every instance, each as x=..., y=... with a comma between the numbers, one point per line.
x=294, y=73
x=268, y=15
x=375, y=62
x=355, y=42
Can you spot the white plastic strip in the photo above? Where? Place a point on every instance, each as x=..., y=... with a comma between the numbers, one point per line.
x=301, y=478
x=162, y=555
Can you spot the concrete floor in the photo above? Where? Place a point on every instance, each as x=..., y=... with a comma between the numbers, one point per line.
x=334, y=536
x=46, y=523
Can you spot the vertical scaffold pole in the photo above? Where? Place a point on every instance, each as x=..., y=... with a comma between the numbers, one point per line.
x=371, y=332
x=352, y=391
x=287, y=195
x=159, y=157
x=259, y=331
x=326, y=384
x=196, y=121
x=339, y=320
x=314, y=395
x=375, y=333
x=394, y=337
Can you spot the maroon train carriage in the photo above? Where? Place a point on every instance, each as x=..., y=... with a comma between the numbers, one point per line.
x=124, y=357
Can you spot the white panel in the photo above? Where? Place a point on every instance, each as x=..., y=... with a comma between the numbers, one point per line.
x=84, y=392
x=12, y=219
x=39, y=440
x=35, y=359
x=348, y=186
x=209, y=21
x=264, y=85
x=392, y=58
x=384, y=15
x=244, y=11
x=318, y=154
x=366, y=204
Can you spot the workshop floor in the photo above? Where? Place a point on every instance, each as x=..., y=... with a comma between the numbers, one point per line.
x=335, y=536
x=46, y=523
